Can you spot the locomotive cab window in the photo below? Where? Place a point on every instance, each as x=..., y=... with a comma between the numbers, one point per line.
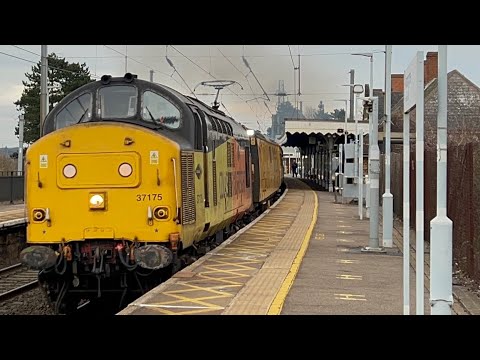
x=157, y=109
x=78, y=110
x=117, y=102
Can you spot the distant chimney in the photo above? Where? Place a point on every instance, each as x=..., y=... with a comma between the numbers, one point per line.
x=397, y=83
x=430, y=66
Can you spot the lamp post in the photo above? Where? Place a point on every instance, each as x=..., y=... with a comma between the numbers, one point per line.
x=369, y=55
x=387, y=198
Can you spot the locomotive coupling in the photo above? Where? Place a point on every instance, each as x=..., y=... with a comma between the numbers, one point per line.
x=38, y=257
x=153, y=256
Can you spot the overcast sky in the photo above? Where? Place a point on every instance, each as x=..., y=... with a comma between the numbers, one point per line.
x=323, y=69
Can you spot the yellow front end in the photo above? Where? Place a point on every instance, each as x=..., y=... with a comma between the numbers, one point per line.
x=103, y=181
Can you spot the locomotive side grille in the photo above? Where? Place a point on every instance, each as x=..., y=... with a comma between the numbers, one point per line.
x=188, y=189
x=214, y=168
x=229, y=184
x=229, y=154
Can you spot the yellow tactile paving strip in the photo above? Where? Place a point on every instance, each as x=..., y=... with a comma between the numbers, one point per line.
x=246, y=273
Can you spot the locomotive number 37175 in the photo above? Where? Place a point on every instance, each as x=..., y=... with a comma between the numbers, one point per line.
x=148, y=197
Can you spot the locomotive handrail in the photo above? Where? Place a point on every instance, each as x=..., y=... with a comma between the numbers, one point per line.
x=176, y=188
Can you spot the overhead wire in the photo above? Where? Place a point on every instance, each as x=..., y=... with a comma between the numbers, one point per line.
x=48, y=57
x=246, y=77
x=151, y=68
x=207, y=72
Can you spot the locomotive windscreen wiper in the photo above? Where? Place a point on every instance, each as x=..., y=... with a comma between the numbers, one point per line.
x=159, y=125
x=81, y=117
x=151, y=116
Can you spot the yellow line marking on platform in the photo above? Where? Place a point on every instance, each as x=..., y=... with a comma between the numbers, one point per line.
x=277, y=303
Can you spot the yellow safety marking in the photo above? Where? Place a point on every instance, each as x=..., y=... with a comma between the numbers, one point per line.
x=345, y=240
x=350, y=297
x=199, y=288
x=195, y=311
x=199, y=301
x=246, y=250
x=239, y=264
x=216, y=271
x=269, y=228
x=349, y=277
x=260, y=232
x=277, y=303
x=345, y=261
x=181, y=307
x=235, y=256
x=223, y=280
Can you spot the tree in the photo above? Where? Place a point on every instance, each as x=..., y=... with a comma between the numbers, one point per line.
x=63, y=76
x=338, y=114
x=7, y=163
x=310, y=112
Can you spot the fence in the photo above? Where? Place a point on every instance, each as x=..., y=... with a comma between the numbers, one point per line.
x=463, y=199
x=11, y=186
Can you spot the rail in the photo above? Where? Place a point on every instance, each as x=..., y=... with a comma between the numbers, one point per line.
x=16, y=280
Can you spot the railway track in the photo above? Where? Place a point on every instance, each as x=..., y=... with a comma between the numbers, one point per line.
x=15, y=280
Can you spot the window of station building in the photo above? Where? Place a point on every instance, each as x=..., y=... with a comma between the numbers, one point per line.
x=117, y=102
x=157, y=109
x=78, y=110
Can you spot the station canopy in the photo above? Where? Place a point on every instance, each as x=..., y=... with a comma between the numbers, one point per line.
x=304, y=132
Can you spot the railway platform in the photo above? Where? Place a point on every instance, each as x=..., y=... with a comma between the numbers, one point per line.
x=12, y=215
x=303, y=256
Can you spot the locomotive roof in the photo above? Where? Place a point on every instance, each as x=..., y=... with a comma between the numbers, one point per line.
x=238, y=128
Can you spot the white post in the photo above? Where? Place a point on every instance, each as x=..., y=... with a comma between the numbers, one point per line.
x=43, y=85
x=355, y=153
x=374, y=164
x=387, y=200
x=370, y=130
x=441, y=299
x=406, y=214
x=21, y=123
x=419, y=146
x=360, y=177
x=374, y=179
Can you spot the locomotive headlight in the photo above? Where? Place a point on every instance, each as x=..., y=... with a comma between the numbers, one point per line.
x=125, y=170
x=69, y=171
x=97, y=201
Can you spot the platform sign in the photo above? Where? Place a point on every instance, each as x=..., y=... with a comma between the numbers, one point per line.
x=410, y=85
